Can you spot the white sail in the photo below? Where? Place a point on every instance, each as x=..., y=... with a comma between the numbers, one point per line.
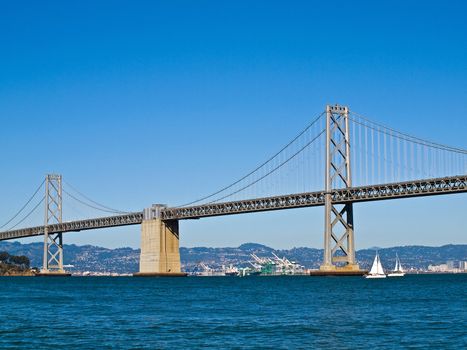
x=374, y=267
x=377, y=268
x=398, y=267
x=398, y=270
x=380, y=267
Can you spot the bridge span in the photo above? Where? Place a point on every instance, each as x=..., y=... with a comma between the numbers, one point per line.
x=379, y=164
x=408, y=189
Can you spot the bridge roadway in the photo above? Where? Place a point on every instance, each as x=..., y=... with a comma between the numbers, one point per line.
x=418, y=188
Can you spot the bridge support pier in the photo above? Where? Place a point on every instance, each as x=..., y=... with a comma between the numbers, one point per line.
x=160, y=253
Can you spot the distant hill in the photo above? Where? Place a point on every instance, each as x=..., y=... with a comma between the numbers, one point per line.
x=126, y=260
x=418, y=257
x=83, y=258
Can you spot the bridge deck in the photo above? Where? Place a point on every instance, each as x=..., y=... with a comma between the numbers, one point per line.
x=429, y=187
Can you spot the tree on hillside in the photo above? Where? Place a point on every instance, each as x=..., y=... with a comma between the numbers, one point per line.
x=21, y=260
x=4, y=257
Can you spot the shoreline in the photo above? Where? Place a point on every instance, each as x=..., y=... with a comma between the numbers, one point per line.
x=34, y=274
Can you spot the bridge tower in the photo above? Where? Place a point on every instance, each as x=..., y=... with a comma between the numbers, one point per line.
x=53, y=243
x=339, y=248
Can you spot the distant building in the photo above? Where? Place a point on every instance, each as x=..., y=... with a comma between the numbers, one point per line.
x=438, y=268
x=450, y=266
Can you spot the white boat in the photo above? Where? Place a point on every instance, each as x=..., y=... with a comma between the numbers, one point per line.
x=377, y=270
x=208, y=272
x=398, y=270
x=230, y=271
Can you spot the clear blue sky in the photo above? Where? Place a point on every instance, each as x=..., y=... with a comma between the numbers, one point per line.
x=141, y=102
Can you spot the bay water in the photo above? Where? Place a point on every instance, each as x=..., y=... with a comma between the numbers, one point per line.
x=294, y=312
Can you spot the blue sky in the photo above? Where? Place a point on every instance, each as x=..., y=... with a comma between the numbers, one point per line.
x=141, y=102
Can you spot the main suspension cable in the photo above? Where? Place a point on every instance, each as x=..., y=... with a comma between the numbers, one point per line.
x=105, y=208
x=273, y=170
x=91, y=206
x=28, y=214
x=24, y=206
x=403, y=136
x=258, y=167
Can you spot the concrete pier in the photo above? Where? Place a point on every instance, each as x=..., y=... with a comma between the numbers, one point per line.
x=160, y=253
x=333, y=270
x=53, y=274
x=338, y=272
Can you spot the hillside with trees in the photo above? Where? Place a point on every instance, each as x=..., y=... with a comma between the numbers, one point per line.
x=126, y=260
x=14, y=265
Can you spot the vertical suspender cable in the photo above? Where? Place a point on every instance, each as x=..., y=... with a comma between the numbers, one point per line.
x=366, y=157
x=385, y=159
x=372, y=157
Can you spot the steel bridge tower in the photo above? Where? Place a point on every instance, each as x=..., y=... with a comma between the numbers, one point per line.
x=339, y=248
x=53, y=243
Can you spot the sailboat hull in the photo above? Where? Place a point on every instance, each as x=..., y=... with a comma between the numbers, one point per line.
x=375, y=276
x=396, y=274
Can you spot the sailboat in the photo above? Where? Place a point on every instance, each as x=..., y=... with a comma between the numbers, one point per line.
x=398, y=270
x=377, y=270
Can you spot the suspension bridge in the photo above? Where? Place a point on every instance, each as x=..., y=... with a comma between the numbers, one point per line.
x=339, y=159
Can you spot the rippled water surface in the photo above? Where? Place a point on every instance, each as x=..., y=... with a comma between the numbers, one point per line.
x=419, y=312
